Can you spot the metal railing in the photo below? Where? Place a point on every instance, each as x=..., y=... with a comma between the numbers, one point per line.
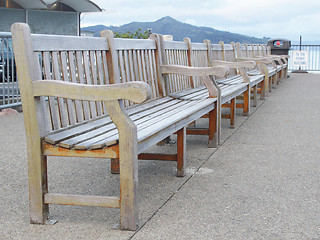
x=9, y=89
x=314, y=57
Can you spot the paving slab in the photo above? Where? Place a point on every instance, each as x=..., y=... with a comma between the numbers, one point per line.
x=262, y=183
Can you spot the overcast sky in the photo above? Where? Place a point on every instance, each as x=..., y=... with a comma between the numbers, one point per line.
x=258, y=18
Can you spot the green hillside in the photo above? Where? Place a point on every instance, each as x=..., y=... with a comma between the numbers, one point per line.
x=179, y=30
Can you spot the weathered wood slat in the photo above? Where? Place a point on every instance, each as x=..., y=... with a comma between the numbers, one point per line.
x=87, y=139
x=73, y=78
x=95, y=61
x=133, y=91
x=174, y=45
x=233, y=92
x=219, y=71
x=147, y=122
x=103, y=123
x=134, y=44
x=178, y=114
x=81, y=79
x=56, y=136
x=82, y=200
x=150, y=138
x=65, y=76
x=153, y=82
x=54, y=115
x=57, y=75
x=140, y=121
x=157, y=156
x=67, y=43
x=199, y=46
x=53, y=150
x=88, y=80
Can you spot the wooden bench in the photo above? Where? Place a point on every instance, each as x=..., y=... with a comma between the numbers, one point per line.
x=240, y=68
x=283, y=61
x=259, y=52
x=76, y=105
x=200, y=55
x=245, y=52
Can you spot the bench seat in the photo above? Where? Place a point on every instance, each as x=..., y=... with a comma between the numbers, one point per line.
x=162, y=116
x=228, y=91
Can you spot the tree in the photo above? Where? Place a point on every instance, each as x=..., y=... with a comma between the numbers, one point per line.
x=137, y=34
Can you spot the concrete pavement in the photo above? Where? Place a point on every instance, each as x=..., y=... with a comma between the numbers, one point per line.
x=263, y=182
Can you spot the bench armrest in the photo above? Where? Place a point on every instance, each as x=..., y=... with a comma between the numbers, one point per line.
x=243, y=64
x=256, y=60
x=219, y=71
x=282, y=57
x=205, y=72
x=134, y=91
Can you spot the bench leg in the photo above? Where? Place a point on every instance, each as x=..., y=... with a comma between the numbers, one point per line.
x=275, y=81
x=213, y=121
x=232, y=112
x=270, y=83
x=115, y=168
x=285, y=72
x=38, y=186
x=266, y=85
x=181, y=152
x=129, y=214
x=280, y=74
x=255, y=95
x=128, y=162
x=263, y=90
x=246, y=103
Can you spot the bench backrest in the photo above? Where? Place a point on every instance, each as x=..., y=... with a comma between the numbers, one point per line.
x=227, y=53
x=90, y=60
x=198, y=57
x=260, y=52
x=242, y=50
x=268, y=50
x=138, y=61
x=250, y=51
x=84, y=60
x=176, y=53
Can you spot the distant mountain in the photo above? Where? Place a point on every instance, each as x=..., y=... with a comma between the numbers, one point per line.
x=179, y=30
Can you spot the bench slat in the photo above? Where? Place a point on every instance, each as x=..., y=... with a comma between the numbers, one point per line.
x=140, y=121
x=59, y=135
x=57, y=76
x=85, y=104
x=73, y=78
x=65, y=76
x=67, y=43
x=183, y=118
x=87, y=138
x=54, y=115
x=82, y=200
x=156, y=124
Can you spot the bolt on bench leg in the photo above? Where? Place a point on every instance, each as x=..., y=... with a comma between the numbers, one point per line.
x=115, y=168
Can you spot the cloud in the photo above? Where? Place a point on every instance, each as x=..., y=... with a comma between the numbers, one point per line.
x=272, y=18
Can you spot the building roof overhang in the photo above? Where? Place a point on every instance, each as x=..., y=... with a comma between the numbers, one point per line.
x=77, y=5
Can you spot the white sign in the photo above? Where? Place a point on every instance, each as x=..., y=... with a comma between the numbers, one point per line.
x=300, y=58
